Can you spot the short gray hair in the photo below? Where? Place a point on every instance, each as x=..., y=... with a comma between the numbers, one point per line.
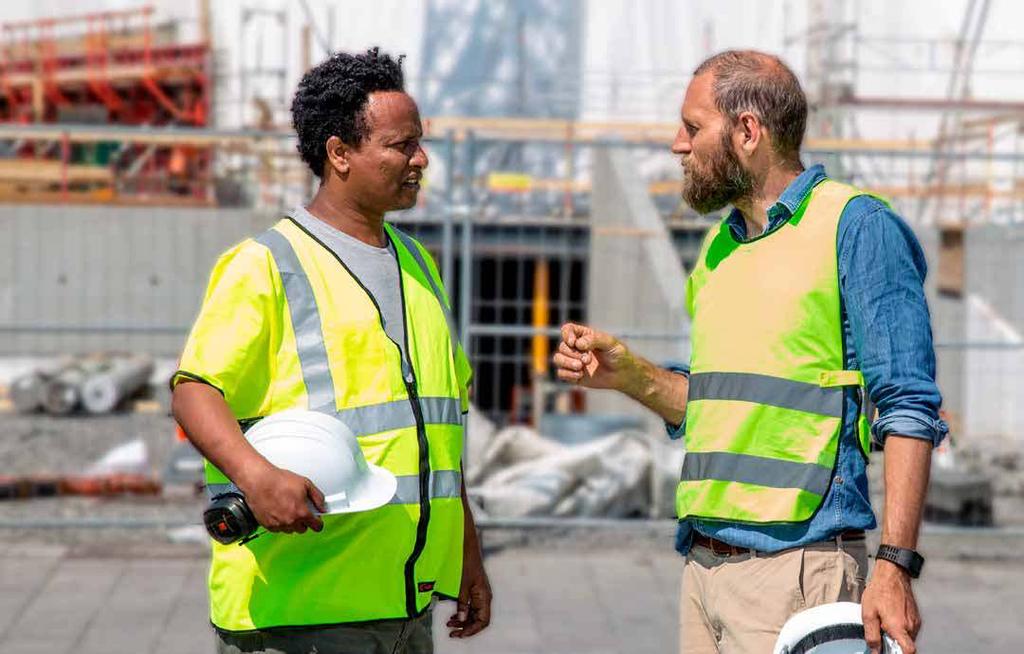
x=747, y=80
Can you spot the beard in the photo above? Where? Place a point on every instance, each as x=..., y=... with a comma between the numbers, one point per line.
x=722, y=181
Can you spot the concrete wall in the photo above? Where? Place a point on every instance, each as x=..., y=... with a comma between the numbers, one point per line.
x=995, y=268
x=636, y=281
x=980, y=335
x=993, y=383
x=82, y=278
x=948, y=326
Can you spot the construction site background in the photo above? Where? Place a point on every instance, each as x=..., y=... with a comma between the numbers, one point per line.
x=137, y=142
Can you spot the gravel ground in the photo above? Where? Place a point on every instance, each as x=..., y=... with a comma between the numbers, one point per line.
x=31, y=444
x=41, y=444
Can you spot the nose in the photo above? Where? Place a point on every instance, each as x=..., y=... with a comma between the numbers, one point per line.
x=681, y=144
x=419, y=158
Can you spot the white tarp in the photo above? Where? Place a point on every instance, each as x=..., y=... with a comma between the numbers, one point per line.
x=516, y=473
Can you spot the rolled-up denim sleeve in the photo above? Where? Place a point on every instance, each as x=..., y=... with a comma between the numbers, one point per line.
x=676, y=432
x=881, y=275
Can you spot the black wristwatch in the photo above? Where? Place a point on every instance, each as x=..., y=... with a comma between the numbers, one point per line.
x=909, y=560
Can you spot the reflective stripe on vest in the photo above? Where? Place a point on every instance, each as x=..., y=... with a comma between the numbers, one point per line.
x=415, y=251
x=760, y=471
x=767, y=390
x=316, y=371
x=444, y=484
x=762, y=389
x=398, y=414
x=453, y=333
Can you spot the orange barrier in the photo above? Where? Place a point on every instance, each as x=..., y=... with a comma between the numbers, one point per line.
x=34, y=486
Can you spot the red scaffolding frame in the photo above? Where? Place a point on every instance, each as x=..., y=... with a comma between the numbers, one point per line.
x=112, y=67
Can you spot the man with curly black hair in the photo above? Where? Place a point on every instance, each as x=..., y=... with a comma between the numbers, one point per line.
x=334, y=310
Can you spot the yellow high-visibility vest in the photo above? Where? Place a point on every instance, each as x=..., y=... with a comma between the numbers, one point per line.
x=765, y=405
x=285, y=325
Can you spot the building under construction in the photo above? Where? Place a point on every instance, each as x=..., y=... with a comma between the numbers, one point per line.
x=138, y=143
x=550, y=197
x=113, y=68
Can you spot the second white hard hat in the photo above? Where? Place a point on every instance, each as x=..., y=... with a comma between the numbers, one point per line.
x=323, y=449
x=836, y=628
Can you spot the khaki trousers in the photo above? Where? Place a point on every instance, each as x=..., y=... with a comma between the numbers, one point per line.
x=737, y=604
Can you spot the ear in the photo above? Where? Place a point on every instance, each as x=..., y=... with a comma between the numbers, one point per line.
x=338, y=155
x=751, y=132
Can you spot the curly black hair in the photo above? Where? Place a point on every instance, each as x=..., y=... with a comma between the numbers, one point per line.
x=331, y=100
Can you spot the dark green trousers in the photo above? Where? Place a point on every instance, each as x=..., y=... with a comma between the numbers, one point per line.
x=378, y=637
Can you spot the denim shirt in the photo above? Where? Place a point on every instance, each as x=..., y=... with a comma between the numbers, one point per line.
x=887, y=335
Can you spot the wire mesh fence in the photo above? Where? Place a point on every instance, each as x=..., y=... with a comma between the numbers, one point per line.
x=521, y=230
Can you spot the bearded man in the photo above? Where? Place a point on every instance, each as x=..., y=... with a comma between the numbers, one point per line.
x=807, y=308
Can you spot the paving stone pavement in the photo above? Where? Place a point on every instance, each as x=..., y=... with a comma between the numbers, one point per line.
x=102, y=600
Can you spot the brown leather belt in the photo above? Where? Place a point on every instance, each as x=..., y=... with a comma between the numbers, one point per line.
x=720, y=548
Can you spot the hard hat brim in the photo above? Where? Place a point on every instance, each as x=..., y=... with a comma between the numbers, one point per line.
x=834, y=628
x=376, y=490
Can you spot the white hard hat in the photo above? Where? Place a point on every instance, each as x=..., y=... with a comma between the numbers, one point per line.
x=836, y=628
x=324, y=450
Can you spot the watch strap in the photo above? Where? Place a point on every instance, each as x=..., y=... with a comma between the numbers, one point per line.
x=907, y=559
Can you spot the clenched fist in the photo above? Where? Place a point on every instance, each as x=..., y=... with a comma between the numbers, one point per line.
x=592, y=358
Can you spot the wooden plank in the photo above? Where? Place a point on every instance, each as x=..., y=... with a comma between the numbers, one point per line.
x=114, y=73
x=435, y=127
x=80, y=45
x=95, y=197
x=42, y=170
x=951, y=260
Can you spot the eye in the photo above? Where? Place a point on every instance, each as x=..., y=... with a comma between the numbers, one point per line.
x=691, y=129
x=408, y=146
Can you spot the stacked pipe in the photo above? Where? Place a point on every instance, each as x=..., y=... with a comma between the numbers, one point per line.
x=104, y=391
x=28, y=391
x=62, y=394
x=97, y=384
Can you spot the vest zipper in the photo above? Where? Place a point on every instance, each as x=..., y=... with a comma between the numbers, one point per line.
x=421, y=529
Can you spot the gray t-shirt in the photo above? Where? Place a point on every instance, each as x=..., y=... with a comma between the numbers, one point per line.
x=375, y=268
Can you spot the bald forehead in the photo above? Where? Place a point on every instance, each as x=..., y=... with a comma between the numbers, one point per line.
x=699, y=101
